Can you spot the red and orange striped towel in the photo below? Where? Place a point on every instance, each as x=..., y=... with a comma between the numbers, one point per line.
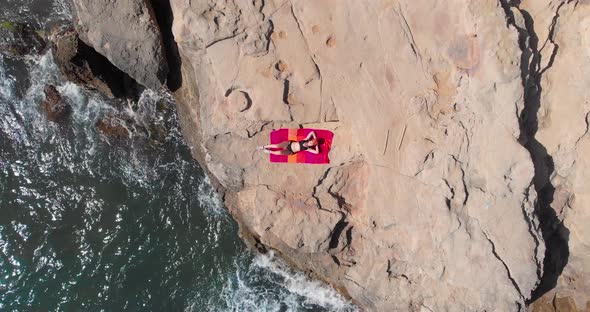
x=325, y=138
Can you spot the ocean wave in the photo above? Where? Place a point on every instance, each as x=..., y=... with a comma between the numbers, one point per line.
x=268, y=284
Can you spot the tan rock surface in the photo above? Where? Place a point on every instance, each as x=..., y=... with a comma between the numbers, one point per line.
x=428, y=201
x=127, y=33
x=449, y=118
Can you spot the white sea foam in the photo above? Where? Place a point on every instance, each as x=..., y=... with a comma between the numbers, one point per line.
x=6, y=82
x=268, y=284
x=312, y=292
x=11, y=115
x=61, y=8
x=209, y=199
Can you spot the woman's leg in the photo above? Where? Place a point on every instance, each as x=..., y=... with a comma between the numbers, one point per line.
x=281, y=152
x=280, y=145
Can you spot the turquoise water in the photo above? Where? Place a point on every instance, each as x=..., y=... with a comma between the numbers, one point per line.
x=88, y=223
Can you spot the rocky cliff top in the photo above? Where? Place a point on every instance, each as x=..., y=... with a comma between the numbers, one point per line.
x=455, y=181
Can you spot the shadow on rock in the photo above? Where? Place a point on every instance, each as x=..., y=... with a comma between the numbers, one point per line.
x=82, y=65
x=555, y=234
x=164, y=17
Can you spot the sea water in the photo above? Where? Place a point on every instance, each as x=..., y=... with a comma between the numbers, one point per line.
x=88, y=223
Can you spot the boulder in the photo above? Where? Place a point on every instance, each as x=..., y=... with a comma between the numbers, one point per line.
x=82, y=65
x=127, y=34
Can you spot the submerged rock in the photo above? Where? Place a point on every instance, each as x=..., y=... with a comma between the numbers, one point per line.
x=20, y=39
x=128, y=121
x=113, y=127
x=55, y=108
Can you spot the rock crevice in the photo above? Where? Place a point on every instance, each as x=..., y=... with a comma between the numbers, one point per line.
x=532, y=70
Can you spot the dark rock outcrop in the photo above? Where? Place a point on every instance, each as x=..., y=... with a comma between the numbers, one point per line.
x=126, y=33
x=82, y=65
x=20, y=39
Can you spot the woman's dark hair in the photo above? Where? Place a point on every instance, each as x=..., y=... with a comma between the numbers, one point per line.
x=321, y=142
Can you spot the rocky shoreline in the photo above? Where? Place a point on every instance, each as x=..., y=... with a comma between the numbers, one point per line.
x=457, y=175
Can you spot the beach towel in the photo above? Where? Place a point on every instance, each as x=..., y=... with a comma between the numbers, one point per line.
x=325, y=138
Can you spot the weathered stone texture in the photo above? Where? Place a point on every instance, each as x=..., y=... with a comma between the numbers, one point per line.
x=457, y=180
x=428, y=202
x=126, y=32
